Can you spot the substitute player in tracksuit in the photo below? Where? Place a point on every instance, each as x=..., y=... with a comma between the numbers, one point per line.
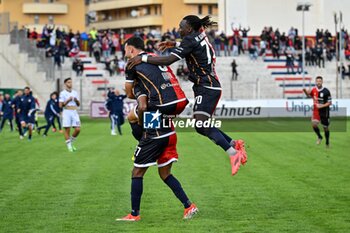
x=114, y=104
x=7, y=111
x=16, y=103
x=50, y=113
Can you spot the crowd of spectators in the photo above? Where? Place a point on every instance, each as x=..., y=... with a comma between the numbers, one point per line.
x=102, y=45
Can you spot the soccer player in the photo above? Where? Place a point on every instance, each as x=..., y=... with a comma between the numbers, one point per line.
x=16, y=103
x=322, y=100
x=50, y=112
x=69, y=101
x=7, y=111
x=26, y=112
x=200, y=58
x=156, y=146
x=114, y=105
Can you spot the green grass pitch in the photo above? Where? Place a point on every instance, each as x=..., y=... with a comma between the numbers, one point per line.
x=288, y=185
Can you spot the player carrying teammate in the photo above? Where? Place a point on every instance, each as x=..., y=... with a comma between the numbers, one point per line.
x=322, y=100
x=200, y=58
x=156, y=146
x=69, y=101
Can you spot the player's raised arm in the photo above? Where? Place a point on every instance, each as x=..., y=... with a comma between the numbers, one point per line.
x=307, y=92
x=163, y=60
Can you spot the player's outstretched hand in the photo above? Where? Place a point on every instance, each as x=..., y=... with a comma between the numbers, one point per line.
x=162, y=46
x=133, y=62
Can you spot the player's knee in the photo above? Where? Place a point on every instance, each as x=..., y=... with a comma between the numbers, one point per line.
x=202, y=130
x=163, y=174
x=138, y=172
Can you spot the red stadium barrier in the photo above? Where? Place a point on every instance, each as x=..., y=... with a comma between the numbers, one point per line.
x=100, y=82
x=90, y=68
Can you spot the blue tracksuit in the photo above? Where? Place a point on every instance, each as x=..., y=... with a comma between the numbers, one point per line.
x=114, y=105
x=7, y=111
x=16, y=103
x=58, y=110
x=27, y=109
x=50, y=113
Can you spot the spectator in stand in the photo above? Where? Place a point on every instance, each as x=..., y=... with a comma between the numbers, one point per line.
x=262, y=48
x=93, y=32
x=105, y=47
x=319, y=55
x=253, y=53
x=283, y=41
x=275, y=48
x=121, y=66
x=57, y=57
x=224, y=41
x=97, y=50
x=240, y=45
x=291, y=34
x=115, y=44
x=34, y=34
x=308, y=56
x=234, y=70
x=217, y=45
x=109, y=66
x=235, y=30
x=63, y=49
x=244, y=36
x=78, y=66
x=289, y=53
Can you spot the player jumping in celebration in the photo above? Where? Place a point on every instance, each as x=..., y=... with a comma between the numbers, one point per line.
x=200, y=58
x=322, y=100
x=69, y=101
x=27, y=111
x=156, y=146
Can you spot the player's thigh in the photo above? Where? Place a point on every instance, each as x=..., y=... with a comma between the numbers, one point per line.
x=205, y=100
x=325, y=121
x=148, y=151
x=66, y=119
x=169, y=155
x=76, y=120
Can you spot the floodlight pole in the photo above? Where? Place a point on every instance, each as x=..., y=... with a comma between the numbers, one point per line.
x=337, y=54
x=303, y=50
x=303, y=7
x=341, y=55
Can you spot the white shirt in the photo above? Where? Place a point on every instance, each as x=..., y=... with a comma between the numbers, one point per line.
x=65, y=95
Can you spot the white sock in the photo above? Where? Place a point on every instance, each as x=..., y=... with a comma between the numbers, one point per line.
x=69, y=143
x=231, y=151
